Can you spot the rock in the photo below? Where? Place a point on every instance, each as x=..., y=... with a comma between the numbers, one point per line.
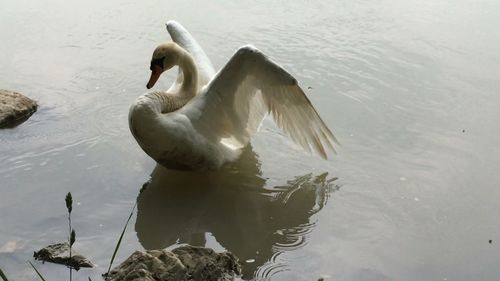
x=206, y=264
x=182, y=264
x=15, y=108
x=59, y=253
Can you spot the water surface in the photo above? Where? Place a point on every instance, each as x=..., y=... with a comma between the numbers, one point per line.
x=410, y=89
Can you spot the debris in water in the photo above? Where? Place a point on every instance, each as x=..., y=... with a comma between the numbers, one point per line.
x=250, y=261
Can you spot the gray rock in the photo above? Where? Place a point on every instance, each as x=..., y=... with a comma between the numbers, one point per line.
x=15, y=108
x=59, y=253
x=182, y=264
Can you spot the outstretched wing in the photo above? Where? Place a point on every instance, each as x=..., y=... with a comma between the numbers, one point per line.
x=184, y=39
x=248, y=87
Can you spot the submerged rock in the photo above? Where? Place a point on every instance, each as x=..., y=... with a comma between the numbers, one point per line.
x=182, y=264
x=15, y=108
x=59, y=253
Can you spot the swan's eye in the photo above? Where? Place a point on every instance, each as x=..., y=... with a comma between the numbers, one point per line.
x=158, y=62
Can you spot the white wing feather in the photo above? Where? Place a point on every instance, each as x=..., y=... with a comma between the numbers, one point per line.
x=184, y=39
x=249, y=86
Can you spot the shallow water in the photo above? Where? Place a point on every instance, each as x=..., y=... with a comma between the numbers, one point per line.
x=410, y=89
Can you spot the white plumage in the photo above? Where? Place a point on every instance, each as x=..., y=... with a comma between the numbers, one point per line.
x=205, y=119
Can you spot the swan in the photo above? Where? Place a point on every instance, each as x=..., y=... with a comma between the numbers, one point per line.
x=205, y=118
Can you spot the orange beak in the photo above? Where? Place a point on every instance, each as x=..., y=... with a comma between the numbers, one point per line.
x=155, y=74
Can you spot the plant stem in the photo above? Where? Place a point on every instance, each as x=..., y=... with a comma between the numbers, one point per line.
x=37, y=272
x=4, y=278
x=120, y=240
x=69, y=241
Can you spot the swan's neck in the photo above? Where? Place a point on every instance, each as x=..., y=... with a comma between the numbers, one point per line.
x=173, y=101
x=154, y=103
x=186, y=63
x=165, y=102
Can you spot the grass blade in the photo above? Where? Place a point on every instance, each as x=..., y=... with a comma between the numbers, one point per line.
x=120, y=239
x=37, y=272
x=4, y=278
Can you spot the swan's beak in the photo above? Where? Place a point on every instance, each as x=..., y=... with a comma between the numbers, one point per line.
x=155, y=74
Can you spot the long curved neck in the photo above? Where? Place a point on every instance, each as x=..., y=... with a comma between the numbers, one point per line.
x=189, y=86
x=148, y=106
x=173, y=101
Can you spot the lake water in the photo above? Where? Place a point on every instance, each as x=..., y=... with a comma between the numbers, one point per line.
x=410, y=89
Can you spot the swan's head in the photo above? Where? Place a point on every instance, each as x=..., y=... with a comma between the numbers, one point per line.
x=164, y=57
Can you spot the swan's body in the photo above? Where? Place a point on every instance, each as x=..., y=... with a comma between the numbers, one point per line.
x=205, y=119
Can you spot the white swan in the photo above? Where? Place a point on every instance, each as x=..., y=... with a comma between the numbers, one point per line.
x=205, y=119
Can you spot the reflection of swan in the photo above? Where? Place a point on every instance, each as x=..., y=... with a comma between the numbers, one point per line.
x=231, y=205
x=204, y=119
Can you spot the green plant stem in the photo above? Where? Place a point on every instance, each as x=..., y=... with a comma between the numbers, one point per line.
x=69, y=205
x=37, y=272
x=4, y=278
x=69, y=241
x=120, y=239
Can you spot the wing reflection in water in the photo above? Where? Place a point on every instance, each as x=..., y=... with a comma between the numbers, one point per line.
x=232, y=205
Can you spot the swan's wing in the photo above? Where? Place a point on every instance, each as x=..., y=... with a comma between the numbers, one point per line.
x=249, y=86
x=184, y=39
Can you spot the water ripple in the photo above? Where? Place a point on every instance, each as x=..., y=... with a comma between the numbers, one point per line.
x=272, y=267
x=42, y=155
